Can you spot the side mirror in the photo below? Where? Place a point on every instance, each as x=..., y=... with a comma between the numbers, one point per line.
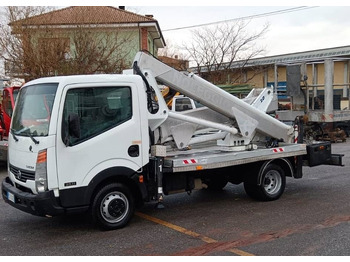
x=74, y=125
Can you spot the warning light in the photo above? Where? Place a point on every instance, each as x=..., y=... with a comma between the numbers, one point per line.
x=141, y=178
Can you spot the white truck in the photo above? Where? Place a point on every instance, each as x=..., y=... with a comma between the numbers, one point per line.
x=105, y=144
x=182, y=103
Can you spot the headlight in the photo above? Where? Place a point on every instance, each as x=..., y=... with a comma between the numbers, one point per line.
x=41, y=172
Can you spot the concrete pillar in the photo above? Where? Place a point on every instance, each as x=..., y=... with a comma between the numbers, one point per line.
x=304, y=76
x=346, y=77
x=314, y=82
x=276, y=78
x=315, y=78
x=265, y=77
x=328, y=89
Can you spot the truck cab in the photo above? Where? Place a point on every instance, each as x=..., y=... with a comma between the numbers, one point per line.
x=182, y=103
x=71, y=136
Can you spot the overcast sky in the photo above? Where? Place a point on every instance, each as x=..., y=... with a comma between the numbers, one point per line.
x=313, y=27
x=303, y=29
x=292, y=30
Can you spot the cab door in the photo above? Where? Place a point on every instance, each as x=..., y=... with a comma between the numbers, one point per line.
x=99, y=127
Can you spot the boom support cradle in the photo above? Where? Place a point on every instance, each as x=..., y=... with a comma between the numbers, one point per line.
x=251, y=118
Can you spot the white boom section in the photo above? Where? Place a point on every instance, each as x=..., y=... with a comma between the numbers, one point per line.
x=249, y=118
x=262, y=99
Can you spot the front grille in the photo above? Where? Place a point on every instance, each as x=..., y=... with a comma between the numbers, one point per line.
x=22, y=175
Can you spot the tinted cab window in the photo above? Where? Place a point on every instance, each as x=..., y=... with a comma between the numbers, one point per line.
x=98, y=108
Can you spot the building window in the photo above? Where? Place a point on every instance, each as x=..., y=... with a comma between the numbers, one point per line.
x=55, y=48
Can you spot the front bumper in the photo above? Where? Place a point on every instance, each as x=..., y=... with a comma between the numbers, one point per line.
x=43, y=204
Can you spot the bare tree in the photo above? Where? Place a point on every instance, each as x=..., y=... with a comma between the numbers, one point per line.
x=37, y=50
x=172, y=50
x=174, y=56
x=11, y=45
x=96, y=52
x=214, y=50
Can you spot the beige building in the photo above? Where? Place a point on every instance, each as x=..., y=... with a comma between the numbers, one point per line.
x=326, y=71
x=273, y=70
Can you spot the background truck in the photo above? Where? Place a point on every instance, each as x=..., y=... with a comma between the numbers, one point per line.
x=9, y=95
x=326, y=106
x=105, y=144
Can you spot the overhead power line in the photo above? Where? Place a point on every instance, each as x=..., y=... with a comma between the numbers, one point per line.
x=278, y=12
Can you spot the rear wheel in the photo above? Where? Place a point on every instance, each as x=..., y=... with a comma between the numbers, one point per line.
x=271, y=185
x=112, y=207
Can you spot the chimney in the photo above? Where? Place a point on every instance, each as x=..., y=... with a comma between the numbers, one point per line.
x=121, y=7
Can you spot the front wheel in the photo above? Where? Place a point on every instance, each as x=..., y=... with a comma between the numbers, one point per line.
x=269, y=187
x=112, y=207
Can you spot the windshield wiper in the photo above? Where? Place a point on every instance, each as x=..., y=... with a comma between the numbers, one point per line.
x=22, y=131
x=13, y=134
x=32, y=138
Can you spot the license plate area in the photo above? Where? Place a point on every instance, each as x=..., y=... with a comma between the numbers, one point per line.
x=11, y=197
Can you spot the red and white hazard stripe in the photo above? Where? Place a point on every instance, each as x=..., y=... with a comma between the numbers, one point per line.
x=296, y=134
x=278, y=150
x=189, y=161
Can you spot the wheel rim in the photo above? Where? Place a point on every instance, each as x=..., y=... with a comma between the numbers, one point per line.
x=114, y=207
x=272, y=182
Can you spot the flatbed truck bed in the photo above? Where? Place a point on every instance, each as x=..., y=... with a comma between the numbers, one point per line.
x=219, y=157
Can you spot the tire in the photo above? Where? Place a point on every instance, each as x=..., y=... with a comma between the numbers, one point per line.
x=113, y=206
x=273, y=183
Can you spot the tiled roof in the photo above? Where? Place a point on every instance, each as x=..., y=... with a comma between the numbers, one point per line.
x=306, y=56
x=86, y=15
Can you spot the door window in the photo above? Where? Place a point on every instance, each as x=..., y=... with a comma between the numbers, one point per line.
x=98, y=109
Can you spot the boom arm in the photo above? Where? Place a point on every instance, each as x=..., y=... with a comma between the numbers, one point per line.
x=248, y=117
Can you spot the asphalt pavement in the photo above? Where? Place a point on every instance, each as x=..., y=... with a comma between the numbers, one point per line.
x=312, y=218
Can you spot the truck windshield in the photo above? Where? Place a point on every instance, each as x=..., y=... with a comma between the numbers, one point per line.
x=33, y=110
